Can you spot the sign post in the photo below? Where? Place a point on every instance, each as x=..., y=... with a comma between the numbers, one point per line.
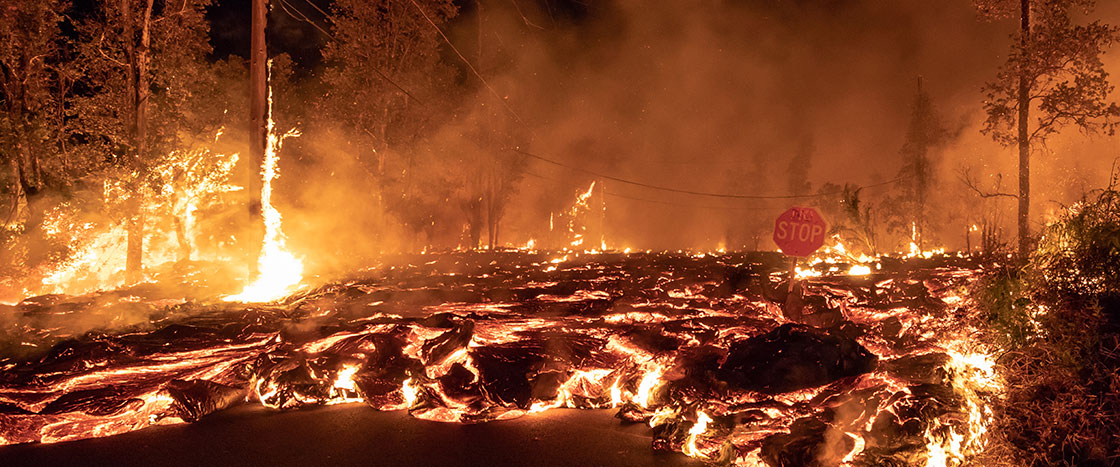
x=799, y=231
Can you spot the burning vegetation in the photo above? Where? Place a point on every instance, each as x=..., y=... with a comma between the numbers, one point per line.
x=476, y=212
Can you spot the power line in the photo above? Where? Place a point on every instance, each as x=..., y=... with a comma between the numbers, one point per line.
x=691, y=192
x=654, y=201
x=469, y=65
x=299, y=16
x=303, y=18
x=316, y=7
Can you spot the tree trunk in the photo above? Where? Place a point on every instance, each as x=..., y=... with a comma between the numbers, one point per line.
x=137, y=74
x=25, y=163
x=488, y=209
x=12, y=217
x=491, y=226
x=184, y=253
x=475, y=231
x=1024, y=136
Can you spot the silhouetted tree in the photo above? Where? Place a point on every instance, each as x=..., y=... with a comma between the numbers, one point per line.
x=1055, y=70
x=910, y=211
x=385, y=81
x=29, y=34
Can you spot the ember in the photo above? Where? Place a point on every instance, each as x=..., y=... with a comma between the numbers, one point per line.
x=717, y=372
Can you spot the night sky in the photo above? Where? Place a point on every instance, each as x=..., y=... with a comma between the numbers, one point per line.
x=290, y=33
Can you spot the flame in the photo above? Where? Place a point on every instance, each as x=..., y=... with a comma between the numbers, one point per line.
x=97, y=255
x=280, y=272
x=616, y=393
x=859, y=270
x=344, y=390
x=701, y=425
x=580, y=207
x=857, y=448
x=804, y=273
x=408, y=392
x=973, y=376
x=663, y=415
x=345, y=378
x=645, y=388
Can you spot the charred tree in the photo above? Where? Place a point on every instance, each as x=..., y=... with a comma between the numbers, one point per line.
x=472, y=209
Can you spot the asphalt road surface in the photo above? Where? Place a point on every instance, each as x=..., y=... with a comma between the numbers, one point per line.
x=355, y=434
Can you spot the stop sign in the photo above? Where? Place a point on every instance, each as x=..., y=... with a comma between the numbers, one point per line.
x=799, y=231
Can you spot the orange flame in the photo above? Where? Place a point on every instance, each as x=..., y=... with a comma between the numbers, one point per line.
x=280, y=271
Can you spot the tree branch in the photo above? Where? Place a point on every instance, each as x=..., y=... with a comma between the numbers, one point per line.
x=103, y=54
x=966, y=177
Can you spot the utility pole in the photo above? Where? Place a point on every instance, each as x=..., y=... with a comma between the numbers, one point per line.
x=258, y=131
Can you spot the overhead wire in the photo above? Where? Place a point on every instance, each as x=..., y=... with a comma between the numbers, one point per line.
x=469, y=64
x=300, y=16
x=693, y=192
x=654, y=201
x=316, y=7
x=303, y=18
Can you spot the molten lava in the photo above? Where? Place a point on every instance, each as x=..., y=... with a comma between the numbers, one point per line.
x=882, y=369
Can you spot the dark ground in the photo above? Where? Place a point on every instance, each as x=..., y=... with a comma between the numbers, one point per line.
x=355, y=434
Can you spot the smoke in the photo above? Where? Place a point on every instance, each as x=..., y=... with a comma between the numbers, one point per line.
x=725, y=96
x=744, y=97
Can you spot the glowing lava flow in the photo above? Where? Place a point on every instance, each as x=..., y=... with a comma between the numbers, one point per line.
x=279, y=270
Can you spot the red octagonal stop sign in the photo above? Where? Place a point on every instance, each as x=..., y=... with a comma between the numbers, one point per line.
x=799, y=231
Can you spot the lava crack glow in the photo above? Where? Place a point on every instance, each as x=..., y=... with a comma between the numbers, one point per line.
x=877, y=372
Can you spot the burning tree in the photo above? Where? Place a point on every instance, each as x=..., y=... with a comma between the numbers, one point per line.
x=29, y=112
x=141, y=66
x=1054, y=69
